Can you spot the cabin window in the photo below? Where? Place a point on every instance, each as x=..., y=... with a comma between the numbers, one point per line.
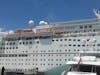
x=81, y=27
x=74, y=39
x=65, y=45
x=94, y=30
x=30, y=42
x=65, y=39
x=57, y=40
x=56, y=59
x=85, y=26
x=78, y=45
x=13, y=43
x=37, y=42
x=83, y=45
x=98, y=44
x=16, y=47
x=69, y=44
x=56, y=64
x=61, y=39
x=23, y=43
x=74, y=45
x=69, y=39
x=65, y=59
x=78, y=40
x=10, y=43
x=52, y=40
x=90, y=26
x=20, y=43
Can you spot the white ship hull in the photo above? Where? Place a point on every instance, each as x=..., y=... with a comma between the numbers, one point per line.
x=49, y=46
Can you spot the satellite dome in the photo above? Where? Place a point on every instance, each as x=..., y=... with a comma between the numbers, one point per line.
x=10, y=32
x=43, y=23
x=31, y=22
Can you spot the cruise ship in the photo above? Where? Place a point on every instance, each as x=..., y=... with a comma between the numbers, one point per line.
x=48, y=46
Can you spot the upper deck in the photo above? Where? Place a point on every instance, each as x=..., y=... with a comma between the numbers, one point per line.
x=70, y=28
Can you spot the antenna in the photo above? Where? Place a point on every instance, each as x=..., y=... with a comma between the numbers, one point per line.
x=97, y=13
x=31, y=23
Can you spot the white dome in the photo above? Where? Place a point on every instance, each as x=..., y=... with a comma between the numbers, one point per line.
x=31, y=22
x=43, y=23
x=11, y=31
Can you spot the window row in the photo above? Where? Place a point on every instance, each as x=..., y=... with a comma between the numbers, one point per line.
x=2, y=48
x=27, y=38
x=37, y=42
x=34, y=60
x=13, y=55
x=42, y=64
x=66, y=40
x=85, y=26
x=61, y=45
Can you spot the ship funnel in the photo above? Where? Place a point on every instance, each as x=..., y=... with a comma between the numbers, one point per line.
x=43, y=23
x=97, y=13
x=31, y=23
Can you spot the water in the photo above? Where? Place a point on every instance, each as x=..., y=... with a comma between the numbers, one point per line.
x=14, y=73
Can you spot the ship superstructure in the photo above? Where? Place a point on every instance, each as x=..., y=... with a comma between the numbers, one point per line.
x=48, y=46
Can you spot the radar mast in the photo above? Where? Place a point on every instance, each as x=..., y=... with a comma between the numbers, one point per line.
x=97, y=13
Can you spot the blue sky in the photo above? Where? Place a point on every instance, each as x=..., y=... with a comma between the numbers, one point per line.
x=15, y=14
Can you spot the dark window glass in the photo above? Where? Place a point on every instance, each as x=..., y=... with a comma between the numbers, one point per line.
x=85, y=26
x=60, y=39
x=37, y=42
x=90, y=26
x=98, y=44
x=81, y=27
x=78, y=40
x=69, y=39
